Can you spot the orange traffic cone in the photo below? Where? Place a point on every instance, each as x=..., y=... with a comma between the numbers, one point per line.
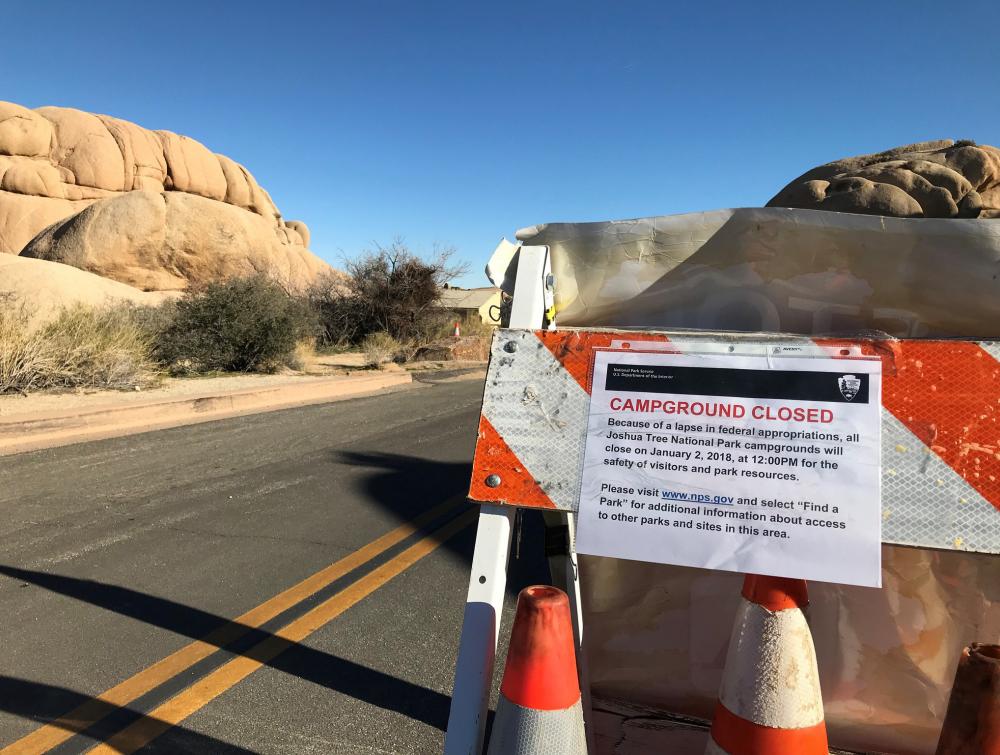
x=770, y=701
x=458, y=331
x=539, y=709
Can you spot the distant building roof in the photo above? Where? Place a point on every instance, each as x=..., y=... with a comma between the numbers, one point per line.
x=466, y=298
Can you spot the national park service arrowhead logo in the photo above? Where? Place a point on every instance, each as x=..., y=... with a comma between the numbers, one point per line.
x=849, y=386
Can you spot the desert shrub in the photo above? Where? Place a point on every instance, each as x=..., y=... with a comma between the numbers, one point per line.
x=476, y=327
x=380, y=348
x=24, y=360
x=241, y=325
x=103, y=347
x=155, y=320
x=331, y=300
x=93, y=347
x=303, y=354
x=387, y=290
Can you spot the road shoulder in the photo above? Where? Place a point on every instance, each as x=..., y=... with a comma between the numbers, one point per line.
x=47, y=421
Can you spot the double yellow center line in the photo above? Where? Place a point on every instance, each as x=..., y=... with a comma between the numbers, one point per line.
x=194, y=697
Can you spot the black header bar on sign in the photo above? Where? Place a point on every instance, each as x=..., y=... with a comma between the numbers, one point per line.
x=835, y=387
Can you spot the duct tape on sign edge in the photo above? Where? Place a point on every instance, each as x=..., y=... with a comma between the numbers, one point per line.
x=940, y=424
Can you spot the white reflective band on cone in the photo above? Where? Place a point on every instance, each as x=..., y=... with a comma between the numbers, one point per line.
x=771, y=677
x=525, y=731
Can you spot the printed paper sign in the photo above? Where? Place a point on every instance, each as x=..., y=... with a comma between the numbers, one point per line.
x=754, y=464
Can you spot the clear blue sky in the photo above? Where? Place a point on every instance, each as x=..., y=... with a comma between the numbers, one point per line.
x=457, y=123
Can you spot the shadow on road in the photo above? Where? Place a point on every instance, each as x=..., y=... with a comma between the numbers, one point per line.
x=334, y=673
x=45, y=702
x=408, y=485
x=405, y=486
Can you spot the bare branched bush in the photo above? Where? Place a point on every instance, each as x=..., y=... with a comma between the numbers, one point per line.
x=388, y=289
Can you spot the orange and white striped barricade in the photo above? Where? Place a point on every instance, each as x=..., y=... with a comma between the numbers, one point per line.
x=938, y=396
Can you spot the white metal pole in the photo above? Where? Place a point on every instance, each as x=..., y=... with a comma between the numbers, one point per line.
x=534, y=277
x=488, y=581
x=533, y=270
x=480, y=632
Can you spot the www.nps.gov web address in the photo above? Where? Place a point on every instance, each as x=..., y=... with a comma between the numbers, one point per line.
x=678, y=495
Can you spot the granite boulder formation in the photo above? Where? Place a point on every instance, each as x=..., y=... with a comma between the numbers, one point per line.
x=938, y=179
x=44, y=288
x=151, y=209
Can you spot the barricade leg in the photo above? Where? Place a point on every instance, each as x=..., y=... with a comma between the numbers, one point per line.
x=560, y=548
x=480, y=632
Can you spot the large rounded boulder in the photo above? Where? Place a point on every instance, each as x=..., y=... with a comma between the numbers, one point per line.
x=939, y=179
x=167, y=240
x=152, y=209
x=44, y=288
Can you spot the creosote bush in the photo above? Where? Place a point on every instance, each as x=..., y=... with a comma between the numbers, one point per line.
x=241, y=325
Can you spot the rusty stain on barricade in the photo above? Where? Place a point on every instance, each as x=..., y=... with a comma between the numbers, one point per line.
x=574, y=350
x=941, y=401
x=947, y=393
x=512, y=483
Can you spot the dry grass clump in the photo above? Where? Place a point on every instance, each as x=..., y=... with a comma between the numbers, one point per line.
x=379, y=349
x=24, y=360
x=101, y=347
x=92, y=347
x=303, y=355
x=470, y=324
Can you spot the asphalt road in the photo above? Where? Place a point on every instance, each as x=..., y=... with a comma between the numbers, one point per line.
x=152, y=595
